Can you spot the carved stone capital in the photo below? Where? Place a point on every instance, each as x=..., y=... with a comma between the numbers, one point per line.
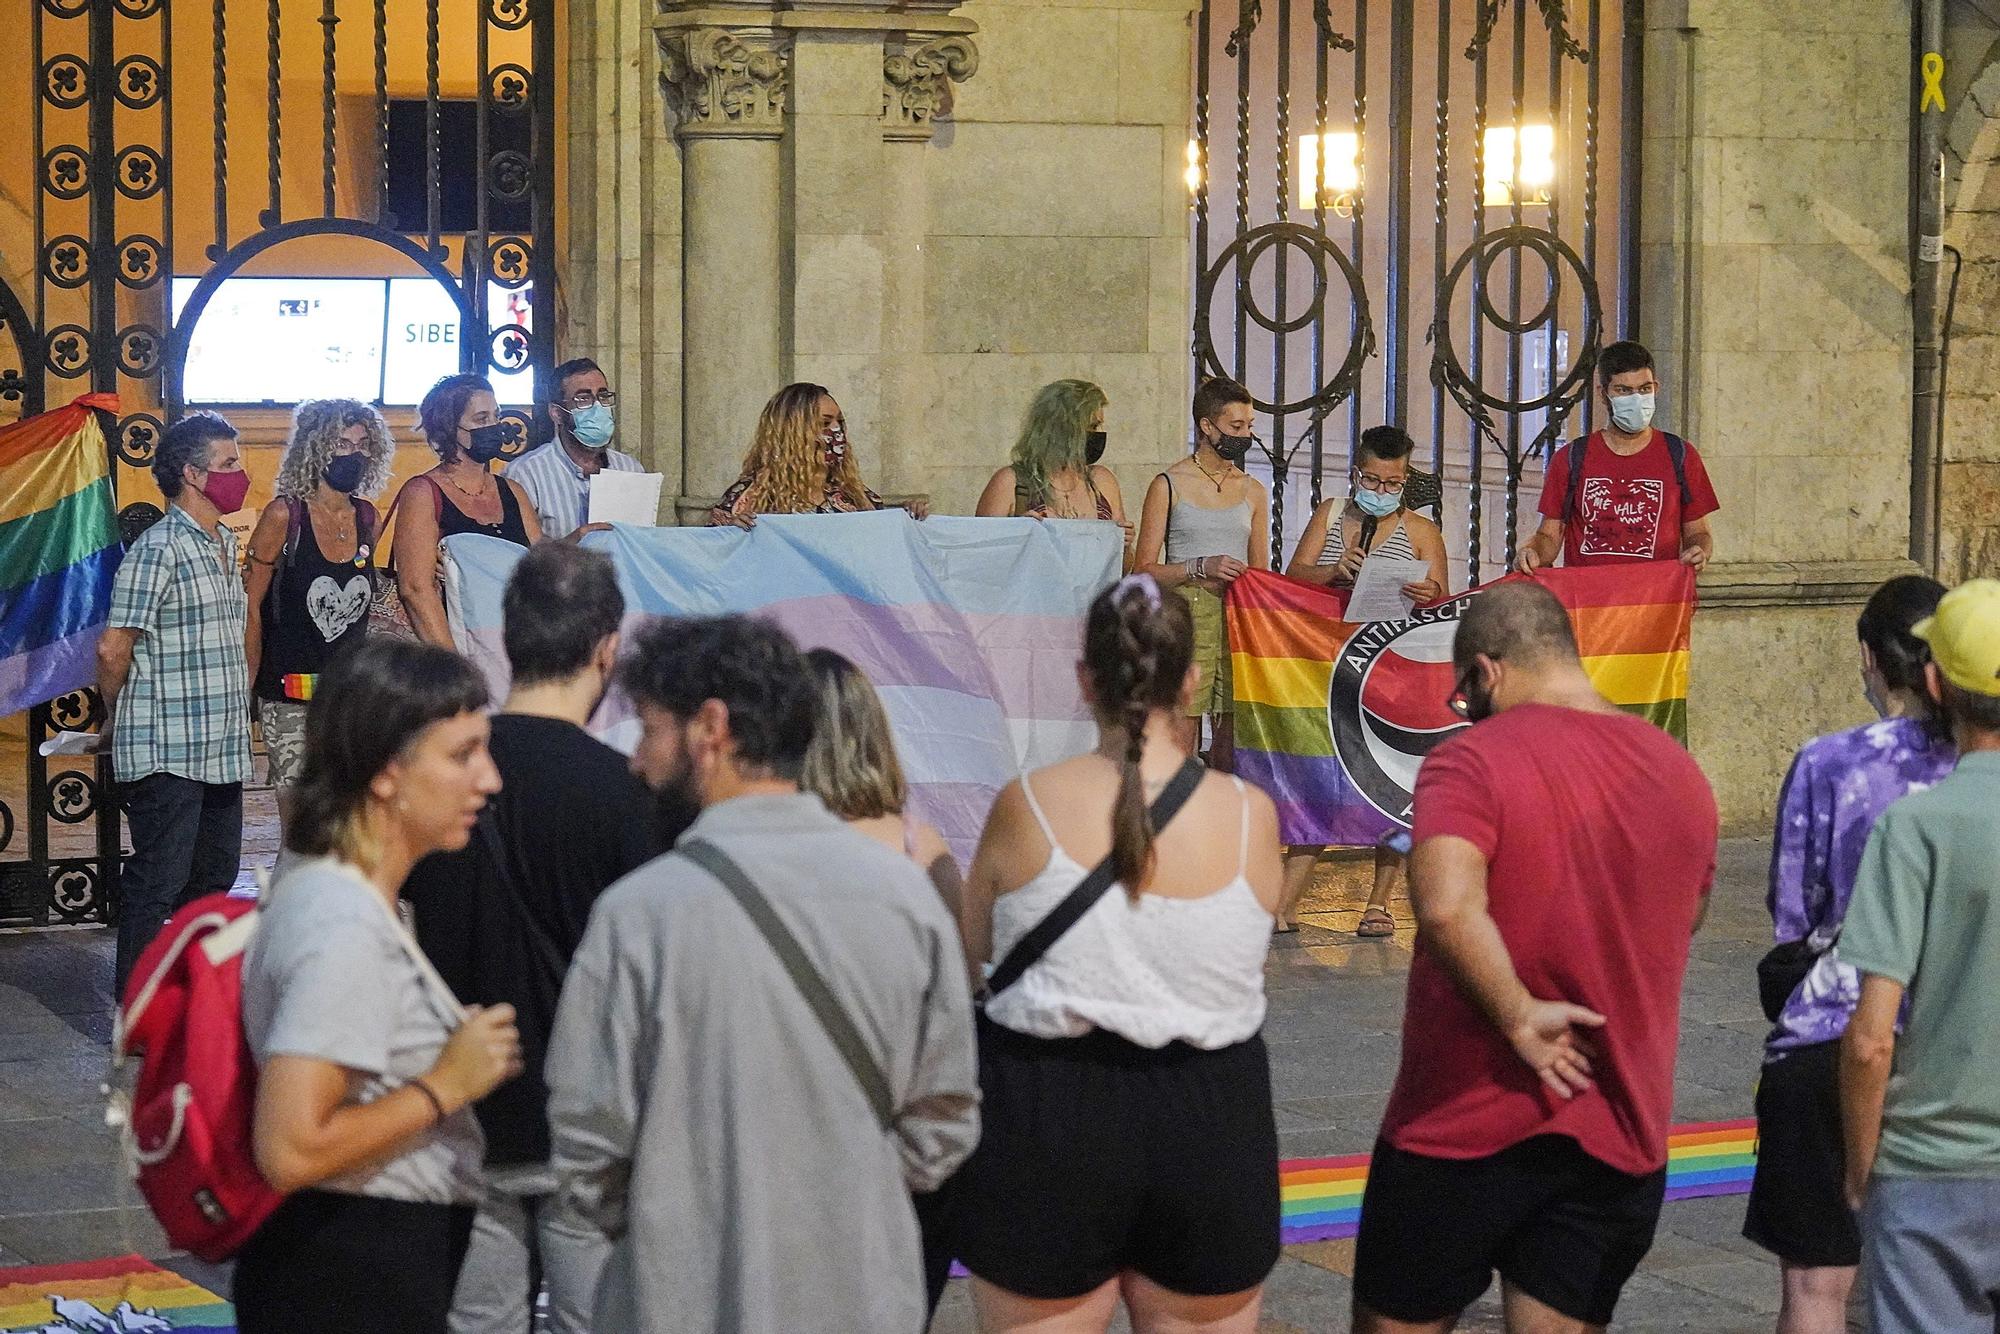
x=724, y=82
x=917, y=76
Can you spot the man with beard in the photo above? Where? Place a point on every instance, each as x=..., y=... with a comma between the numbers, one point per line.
x=1564, y=851
x=765, y=1043
x=502, y=917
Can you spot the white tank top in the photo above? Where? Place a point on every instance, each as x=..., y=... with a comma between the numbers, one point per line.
x=1153, y=972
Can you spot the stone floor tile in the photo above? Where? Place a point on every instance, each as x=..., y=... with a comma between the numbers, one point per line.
x=89, y=1234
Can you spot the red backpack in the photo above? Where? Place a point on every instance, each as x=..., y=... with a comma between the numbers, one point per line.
x=187, y=1130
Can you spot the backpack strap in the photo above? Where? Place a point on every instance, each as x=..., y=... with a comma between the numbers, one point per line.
x=818, y=995
x=1043, y=935
x=1677, y=454
x=295, y=522
x=1573, y=498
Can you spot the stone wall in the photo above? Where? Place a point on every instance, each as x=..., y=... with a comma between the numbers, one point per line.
x=1775, y=292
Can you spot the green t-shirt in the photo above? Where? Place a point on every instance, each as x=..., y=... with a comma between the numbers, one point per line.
x=1926, y=913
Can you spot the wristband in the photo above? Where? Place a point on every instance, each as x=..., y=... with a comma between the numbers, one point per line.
x=437, y=1106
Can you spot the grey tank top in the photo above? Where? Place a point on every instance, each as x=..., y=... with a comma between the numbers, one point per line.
x=1193, y=531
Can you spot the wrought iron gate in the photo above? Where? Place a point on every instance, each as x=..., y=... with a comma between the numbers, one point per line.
x=133, y=94
x=1308, y=254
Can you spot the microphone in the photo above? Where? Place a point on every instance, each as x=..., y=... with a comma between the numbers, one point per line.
x=1368, y=522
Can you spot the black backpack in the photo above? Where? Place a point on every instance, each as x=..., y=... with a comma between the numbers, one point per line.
x=1677, y=453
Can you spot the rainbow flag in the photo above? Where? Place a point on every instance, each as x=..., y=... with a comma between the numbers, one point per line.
x=122, y=1295
x=1333, y=718
x=1319, y=1199
x=59, y=550
x=968, y=628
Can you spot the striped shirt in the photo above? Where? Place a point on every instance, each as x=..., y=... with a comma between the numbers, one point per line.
x=558, y=488
x=1396, y=544
x=185, y=708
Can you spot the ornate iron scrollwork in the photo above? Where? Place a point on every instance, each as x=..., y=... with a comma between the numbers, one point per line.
x=65, y=82
x=510, y=88
x=78, y=711
x=66, y=261
x=1326, y=259
x=507, y=262
x=68, y=351
x=141, y=171
x=66, y=171
x=72, y=796
x=139, y=82
x=73, y=891
x=140, y=262
x=138, y=436
x=141, y=348
x=135, y=519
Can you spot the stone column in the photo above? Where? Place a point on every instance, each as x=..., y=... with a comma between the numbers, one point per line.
x=1775, y=296
x=726, y=88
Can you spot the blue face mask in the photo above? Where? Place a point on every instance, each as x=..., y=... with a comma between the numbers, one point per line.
x=592, y=426
x=1633, y=413
x=1378, y=503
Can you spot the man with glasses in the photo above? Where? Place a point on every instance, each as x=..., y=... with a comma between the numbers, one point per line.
x=1564, y=851
x=1629, y=491
x=582, y=411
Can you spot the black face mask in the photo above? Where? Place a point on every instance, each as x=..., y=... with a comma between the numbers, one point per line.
x=1233, y=448
x=343, y=471
x=1093, y=448
x=488, y=443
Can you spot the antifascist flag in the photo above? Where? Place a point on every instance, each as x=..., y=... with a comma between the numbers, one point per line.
x=59, y=550
x=1333, y=718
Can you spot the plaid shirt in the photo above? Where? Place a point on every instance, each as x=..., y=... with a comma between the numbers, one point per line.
x=560, y=489
x=185, y=708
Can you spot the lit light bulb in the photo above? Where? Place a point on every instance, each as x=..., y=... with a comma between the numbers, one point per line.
x=1193, y=173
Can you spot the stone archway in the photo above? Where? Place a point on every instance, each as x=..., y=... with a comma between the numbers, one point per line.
x=1969, y=510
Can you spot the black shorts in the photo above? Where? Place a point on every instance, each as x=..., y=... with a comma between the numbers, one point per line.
x=1798, y=1201
x=332, y=1263
x=1097, y=1157
x=1558, y=1224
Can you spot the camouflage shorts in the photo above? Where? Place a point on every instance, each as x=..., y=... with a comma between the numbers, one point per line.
x=283, y=723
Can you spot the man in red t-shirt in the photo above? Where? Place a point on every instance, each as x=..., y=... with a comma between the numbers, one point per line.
x=1564, y=851
x=1633, y=502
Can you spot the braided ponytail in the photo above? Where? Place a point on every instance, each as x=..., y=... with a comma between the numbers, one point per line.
x=1137, y=646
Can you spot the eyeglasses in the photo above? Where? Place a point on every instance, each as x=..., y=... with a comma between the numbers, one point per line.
x=1628, y=390
x=1459, y=702
x=578, y=402
x=1367, y=483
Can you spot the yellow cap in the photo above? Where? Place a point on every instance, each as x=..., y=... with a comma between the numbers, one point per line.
x=1964, y=636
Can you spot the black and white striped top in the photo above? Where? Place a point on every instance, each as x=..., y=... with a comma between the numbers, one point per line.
x=1396, y=544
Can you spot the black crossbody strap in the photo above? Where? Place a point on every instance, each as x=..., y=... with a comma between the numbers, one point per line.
x=1029, y=949
x=818, y=996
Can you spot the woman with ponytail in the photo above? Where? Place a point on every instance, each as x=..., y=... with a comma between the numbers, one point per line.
x=1128, y=1149
x=367, y=1067
x=1838, y=787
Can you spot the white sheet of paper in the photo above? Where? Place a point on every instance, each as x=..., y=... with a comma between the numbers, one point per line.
x=73, y=743
x=1378, y=588
x=625, y=497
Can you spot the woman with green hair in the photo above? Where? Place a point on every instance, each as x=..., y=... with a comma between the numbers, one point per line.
x=1055, y=473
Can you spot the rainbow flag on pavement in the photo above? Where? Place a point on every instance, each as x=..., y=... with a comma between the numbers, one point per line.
x=1319, y=1199
x=122, y=1295
x=59, y=550
x=1333, y=718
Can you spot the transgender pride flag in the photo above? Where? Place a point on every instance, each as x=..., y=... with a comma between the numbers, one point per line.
x=969, y=628
x=59, y=550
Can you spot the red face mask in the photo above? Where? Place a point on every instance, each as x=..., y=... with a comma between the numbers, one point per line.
x=227, y=490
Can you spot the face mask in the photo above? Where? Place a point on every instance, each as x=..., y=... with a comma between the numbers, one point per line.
x=1632, y=413
x=1093, y=448
x=834, y=444
x=1378, y=503
x=592, y=426
x=1478, y=700
x=487, y=442
x=1233, y=448
x=1875, y=698
x=343, y=471
x=227, y=490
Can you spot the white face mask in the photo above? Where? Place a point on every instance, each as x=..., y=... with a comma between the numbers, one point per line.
x=1633, y=413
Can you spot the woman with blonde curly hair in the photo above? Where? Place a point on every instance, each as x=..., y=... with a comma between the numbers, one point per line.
x=307, y=574
x=1055, y=473
x=799, y=463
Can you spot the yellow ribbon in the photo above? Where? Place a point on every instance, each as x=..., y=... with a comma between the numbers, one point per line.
x=1933, y=68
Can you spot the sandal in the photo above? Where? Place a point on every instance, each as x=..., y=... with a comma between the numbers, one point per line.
x=1376, y=924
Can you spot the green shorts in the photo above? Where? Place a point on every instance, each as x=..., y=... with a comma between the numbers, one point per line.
x=1214, y=690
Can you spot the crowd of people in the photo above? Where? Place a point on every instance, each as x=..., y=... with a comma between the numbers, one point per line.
x=717, y=1036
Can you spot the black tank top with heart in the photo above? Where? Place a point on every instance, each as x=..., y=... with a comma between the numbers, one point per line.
x=315, y=608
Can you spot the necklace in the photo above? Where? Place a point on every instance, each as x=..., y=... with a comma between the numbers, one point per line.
x=479, y=494
x=1064, y=502
x=1218, y=479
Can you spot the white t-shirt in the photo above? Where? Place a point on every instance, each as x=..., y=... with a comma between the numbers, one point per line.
x=329, y=975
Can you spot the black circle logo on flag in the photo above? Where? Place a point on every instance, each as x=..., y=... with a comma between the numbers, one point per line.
x=1388, y=703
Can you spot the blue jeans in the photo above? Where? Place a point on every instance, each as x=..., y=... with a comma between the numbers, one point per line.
x=187, y=839
x=1928, y=1254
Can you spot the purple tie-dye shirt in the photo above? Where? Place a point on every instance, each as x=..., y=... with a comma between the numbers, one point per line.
x=1839, y=785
